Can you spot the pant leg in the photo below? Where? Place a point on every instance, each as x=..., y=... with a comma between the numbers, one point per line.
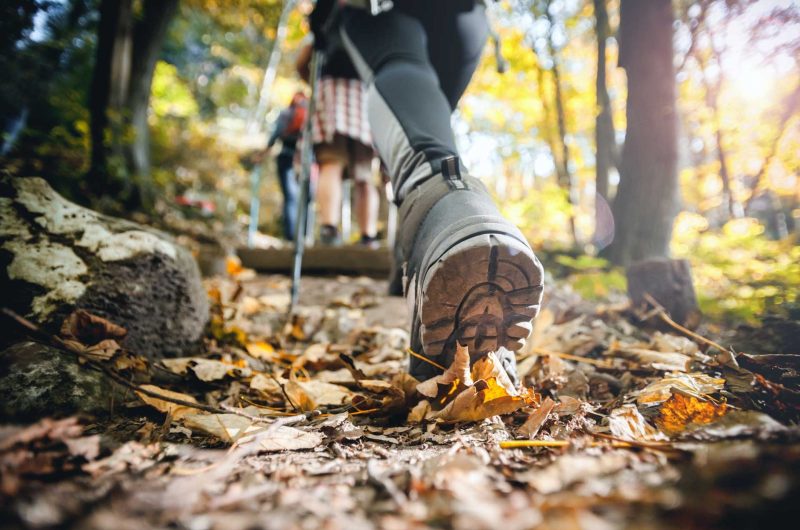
x=456, y=32
x=289, y=189
x=409, y=111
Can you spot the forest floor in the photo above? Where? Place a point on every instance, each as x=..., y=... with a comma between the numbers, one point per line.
x=313, y=424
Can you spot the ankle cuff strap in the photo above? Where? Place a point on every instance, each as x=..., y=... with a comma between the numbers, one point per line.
x=420, y=200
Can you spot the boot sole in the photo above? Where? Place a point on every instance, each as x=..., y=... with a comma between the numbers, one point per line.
x=484, y=293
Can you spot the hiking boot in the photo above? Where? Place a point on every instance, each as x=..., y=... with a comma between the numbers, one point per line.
x=370, y=242
x=470, y=276
x=329, y=236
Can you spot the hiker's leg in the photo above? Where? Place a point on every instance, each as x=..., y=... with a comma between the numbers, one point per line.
x=329, y=193
x=289, y=190
x=367, y=208
x=332, y=159
x=408, y=112
x=471, y=277
x=456, y=33
x=367, y=200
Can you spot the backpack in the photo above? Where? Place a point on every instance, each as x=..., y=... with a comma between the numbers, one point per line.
x=296, y=120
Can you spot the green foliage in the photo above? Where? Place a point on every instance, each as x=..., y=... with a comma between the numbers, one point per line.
x=739, y=274
x=593, y=278
x=171, y=96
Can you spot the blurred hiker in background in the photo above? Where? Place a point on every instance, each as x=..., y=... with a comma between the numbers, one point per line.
x=287, y=129
x=342, y=146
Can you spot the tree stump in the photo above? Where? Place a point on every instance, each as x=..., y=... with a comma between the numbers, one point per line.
x=56, y=256
x=669, y=282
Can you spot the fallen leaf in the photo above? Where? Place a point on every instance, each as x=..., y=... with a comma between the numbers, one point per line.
x=261, y=350
x=736, y=424
x=309, y=395
x=90, y=329
x=456, y=378
x=537, y=418
x=282, y=438
x=681, y=411
x=233, y=265
x=627, y=423
x=227, y=427
x=664, y=361
x=489, y=396
x=167, y=407
x=205, y=369
x=696, y=384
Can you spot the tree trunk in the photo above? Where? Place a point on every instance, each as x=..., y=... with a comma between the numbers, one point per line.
x=646, y=203
x=127, y=52
x=149, y=36
x=605, y=143
x=564, y=176
x=108, y=91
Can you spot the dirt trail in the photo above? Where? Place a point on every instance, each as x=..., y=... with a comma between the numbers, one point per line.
x=696, y=456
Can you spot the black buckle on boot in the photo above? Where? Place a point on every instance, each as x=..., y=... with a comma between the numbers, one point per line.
x=451, y=171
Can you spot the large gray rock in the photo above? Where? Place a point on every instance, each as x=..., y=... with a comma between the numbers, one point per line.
x=56, y=256
x=37, y=380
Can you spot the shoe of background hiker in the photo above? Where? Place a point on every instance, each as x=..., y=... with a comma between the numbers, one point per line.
x=470, y=274
x=329, y=236
x=370, y=242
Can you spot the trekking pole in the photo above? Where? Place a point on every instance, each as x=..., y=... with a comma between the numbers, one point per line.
x=306, y=160
x=255, y=204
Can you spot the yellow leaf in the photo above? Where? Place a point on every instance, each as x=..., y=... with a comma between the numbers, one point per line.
x=681, y=411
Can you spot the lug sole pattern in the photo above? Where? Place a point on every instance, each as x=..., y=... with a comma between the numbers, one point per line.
x=484, y=293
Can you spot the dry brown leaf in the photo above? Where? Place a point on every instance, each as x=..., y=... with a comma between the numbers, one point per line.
x=485, y=398
x=309, y=395
x=167, y=407
x=455, y=379
x=226, y=427
x=262, y=383
x=205, y=369
x=696, y=384
x=665, y=361
x=90, y=329
x=537, y=418
x=681, y=411
x=627, y=423
x=282, y=438
x=102, y=351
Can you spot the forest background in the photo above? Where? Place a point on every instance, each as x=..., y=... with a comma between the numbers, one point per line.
x=129, y=105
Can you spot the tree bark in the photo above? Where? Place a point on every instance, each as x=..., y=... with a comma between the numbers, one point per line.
x=605, y=143
x=149, y=36
x=564, y=175
x=647, y=200
x=127, y=52
x=108, y=90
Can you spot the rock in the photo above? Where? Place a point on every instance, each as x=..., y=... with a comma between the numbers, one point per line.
x=56, y=256
x=37, y=380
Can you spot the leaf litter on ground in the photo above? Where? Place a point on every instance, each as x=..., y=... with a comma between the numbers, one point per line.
x=316, y=420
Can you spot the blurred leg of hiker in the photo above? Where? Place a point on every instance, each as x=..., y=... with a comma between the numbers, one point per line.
x=470, y=275
x=289, y=188
x=367, y=203
x=329, y=194
x=366, y=195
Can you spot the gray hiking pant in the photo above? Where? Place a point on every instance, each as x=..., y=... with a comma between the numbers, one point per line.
x=417, y=60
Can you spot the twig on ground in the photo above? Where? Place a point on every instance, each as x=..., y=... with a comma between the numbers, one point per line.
x=422, y=358
x=616, y=444
x=569, y=356
x=662, y=314
x=285, y=394
x=59, y=343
